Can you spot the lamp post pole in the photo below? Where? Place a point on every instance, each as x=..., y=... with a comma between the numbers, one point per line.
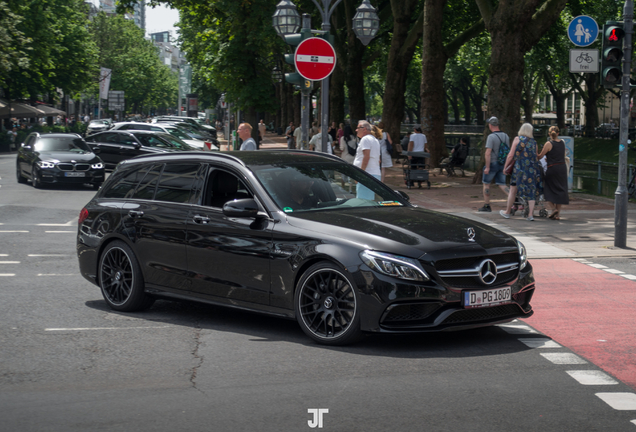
x=325, y=12
x=621, y=195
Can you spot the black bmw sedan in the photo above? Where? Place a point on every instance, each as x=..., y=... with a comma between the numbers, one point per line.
x=118, y=145
x=58, y=158
x=300, y=235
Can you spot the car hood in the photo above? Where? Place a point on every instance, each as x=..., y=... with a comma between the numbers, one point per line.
x=409, y=231
x=67, y=156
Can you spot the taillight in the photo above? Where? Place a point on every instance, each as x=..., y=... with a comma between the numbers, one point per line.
x=82, y=216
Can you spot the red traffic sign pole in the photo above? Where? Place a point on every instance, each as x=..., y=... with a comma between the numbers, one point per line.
x=315, y=59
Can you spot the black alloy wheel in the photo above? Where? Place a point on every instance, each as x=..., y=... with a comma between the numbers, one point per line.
x=121, y=280
x=18, y=174
x=326, y=305
x=36, y=180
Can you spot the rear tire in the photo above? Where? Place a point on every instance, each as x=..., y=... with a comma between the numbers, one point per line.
x=121, y=280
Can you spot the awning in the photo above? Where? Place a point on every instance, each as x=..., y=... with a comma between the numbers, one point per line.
x=19, y=110
x=50, y=111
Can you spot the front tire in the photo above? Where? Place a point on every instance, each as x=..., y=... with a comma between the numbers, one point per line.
x=18, y=174
x=120, y=279
x=36, y=180
x=326, y=305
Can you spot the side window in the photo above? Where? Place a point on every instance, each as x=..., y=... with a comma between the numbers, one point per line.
x=176, y=182
x=125, y=184
x=156, y=129
x=124, y=127
x=224, y=186
x=147, y=186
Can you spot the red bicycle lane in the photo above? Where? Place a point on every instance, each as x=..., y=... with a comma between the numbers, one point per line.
x=589, y=311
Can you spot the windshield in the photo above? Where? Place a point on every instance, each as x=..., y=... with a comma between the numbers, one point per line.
x=47, y=144
x=326, y=186
x=178, y=133
x=176, y=142
x=153, y=141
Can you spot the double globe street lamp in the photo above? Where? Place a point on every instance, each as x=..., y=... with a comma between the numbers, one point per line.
x=287, y=21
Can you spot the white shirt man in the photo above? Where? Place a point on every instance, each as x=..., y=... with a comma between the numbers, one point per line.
x=367, y=158
x=316, y=142
x=245, y=133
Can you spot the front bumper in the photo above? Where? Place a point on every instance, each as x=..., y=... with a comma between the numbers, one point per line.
x=55, y=175
x=388, y=306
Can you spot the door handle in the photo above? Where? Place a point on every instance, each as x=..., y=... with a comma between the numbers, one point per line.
x=201, y=219
x=135, y=214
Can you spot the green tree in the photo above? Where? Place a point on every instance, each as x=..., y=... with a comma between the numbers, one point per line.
x=135, y=66
x=13, y=42
x=58, y=53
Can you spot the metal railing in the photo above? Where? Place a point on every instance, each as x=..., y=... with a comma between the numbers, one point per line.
x=603, y=173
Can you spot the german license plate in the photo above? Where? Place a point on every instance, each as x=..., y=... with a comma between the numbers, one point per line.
x=74, y=174
x=491, y=297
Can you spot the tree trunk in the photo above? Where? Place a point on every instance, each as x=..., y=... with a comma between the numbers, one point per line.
x=400, y=56
x=432, y=89
x=354, y=76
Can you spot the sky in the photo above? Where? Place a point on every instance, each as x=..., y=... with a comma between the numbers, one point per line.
x=160, y=19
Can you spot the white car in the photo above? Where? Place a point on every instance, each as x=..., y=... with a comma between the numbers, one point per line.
x=170, y=129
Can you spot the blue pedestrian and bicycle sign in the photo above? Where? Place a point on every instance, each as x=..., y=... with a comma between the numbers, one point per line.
x=583, y=30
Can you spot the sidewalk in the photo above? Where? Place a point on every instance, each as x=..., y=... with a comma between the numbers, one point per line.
x=586, y=228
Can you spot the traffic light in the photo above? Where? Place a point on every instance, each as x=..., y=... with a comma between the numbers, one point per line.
x=294, y=40
x=612, y=54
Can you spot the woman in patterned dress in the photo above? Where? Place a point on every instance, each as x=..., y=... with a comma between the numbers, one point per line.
x=526, y=176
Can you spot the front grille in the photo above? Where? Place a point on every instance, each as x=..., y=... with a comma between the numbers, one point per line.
x=464, y=272
x=483, y=314
x=73, y=167
x=409, y=312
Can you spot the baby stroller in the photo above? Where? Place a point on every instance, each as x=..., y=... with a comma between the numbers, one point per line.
x=415, y=173
x=521, y=204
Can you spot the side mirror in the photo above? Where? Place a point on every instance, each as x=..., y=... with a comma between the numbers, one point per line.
x=26, y=147
x=96, y=150
x=242, y=208
x=403, y=195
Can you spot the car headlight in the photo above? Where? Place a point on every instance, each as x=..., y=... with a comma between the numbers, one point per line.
x=46, y=164
x=97, y=165
x=523, y=255
x=395, y=265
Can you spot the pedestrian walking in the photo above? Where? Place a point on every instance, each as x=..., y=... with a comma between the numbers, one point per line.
x=261, y=131
x=245, y=133
x=555, y=182
x=289, y=133
x=497, y=149
x=367, y=157
x=298, y=136
x=526, y=176
x=13, y=133
x=386, y=148
x=348, y=145
x=417, y=143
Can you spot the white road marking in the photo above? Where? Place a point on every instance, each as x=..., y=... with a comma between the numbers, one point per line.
x=628, y=276
x=619, y=401
x=592, y=377
x=13, y=231
x=598, y=266
x=102, y=328
x=58, y=232
x=7, y=274
x=49, y=255
x=9, y=262
x=56, y=274
x=539, y=343
x=564, y=358
x=517, y=329
x=613, y=271
x=67, y=224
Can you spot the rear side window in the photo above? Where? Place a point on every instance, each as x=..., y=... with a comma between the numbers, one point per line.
x=125, y=184
x=146, y=189
x=177, y=182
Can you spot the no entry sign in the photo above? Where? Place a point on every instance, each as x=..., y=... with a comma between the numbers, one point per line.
x=315, y=59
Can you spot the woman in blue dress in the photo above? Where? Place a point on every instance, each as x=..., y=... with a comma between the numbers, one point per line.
x=525, y=178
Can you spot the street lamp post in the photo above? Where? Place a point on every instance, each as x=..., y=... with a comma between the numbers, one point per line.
x=365, y=25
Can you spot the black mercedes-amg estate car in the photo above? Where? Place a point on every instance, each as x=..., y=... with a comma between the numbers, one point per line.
x=295, y=234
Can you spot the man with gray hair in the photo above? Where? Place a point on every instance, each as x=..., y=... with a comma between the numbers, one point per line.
x=367, y=157
x=492, y=169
